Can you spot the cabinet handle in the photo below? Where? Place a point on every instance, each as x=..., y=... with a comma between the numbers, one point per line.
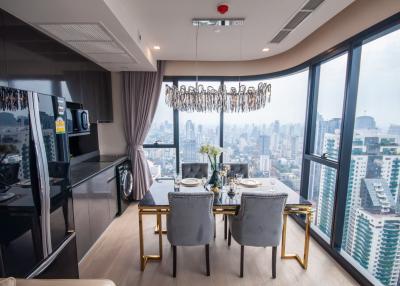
x=110, y=179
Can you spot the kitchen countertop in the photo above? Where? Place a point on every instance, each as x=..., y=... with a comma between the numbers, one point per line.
x=83, y=171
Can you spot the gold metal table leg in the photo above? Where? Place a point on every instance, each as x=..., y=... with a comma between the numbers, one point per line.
x=302, y=261
x=157, y=229
x=145, y=258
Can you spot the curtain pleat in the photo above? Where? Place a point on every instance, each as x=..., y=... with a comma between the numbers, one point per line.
x=140, y=95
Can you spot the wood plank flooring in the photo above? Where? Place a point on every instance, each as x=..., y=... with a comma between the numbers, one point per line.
x=115, y=256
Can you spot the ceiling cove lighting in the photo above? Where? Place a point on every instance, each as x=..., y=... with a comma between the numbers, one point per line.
x=265, y=50
x=198, y=98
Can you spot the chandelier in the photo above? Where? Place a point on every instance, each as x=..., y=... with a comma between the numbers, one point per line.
x=208, y=99
x=201, y=99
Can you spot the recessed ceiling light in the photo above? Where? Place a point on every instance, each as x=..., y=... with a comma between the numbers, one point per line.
x=265, y=49
x=157, y=47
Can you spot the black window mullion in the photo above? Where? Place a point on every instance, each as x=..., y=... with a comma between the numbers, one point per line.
x=176, y=133
x=346, y=144
x=221, y=129
x=313, y=79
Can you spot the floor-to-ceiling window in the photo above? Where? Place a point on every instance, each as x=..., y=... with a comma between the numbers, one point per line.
x=160, y=147
x=371, y=236
x=271, y=139
x=197, y=128
x=346, y=104
x=329, y=91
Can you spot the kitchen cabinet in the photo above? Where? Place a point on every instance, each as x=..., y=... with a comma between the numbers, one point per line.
x=94, y=208
x=96, y=94
x=33, y=61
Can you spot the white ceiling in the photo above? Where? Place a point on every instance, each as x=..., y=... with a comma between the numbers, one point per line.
x=133, y=27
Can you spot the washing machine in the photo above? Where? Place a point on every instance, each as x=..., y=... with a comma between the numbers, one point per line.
x=124, y=185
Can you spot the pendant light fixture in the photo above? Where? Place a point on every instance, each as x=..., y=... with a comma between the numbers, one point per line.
x=200, y=99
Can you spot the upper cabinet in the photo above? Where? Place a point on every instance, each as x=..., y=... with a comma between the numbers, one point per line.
x=31, y=60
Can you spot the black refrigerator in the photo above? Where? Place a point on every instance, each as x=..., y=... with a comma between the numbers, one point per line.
x=37, y=238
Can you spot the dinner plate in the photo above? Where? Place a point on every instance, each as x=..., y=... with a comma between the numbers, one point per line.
x=250, y=183
x=190, y=182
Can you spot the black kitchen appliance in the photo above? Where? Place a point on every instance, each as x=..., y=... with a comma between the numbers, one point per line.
x=124, y=185
x=77, y=120
x=37, y=237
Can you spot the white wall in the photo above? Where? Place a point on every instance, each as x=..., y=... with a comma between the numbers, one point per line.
x=111, y=135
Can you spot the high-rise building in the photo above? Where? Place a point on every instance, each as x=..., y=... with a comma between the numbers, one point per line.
x=264, y=142
x=365, y=122
x=377, y=233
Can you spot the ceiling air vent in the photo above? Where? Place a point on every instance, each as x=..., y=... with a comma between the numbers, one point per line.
x=280, y=36
x=77, y=32
x=91, y=39
x=296, y=20
x=312, y=4
x=97, y=47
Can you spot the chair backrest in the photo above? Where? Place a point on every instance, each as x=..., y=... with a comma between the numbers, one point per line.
x=194, y=170
x=260, y=218
x=190, y=220
x=238, y=168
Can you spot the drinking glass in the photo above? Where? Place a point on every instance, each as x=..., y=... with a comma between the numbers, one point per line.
x=272, y=181
x=177, y=183
x=204, y=181
x=239, y=177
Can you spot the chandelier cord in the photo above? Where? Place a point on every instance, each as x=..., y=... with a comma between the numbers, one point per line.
x=240, y=53
x=196, y=55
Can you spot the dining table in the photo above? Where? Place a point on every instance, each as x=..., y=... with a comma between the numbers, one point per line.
x=155, y=202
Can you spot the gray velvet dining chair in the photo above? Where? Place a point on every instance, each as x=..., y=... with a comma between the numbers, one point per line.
x=238, y=168
x=194, y=170
x=190, y=222
x=258, y=223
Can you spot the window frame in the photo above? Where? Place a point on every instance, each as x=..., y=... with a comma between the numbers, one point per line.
x=352, y=46
x=175, y=144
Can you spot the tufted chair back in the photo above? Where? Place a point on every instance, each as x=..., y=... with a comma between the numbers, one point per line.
x=190, y=220
x=260, y=218
x=238, y=168
x=194, y=170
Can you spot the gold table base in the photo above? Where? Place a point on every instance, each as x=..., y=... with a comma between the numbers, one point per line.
x=305, y=210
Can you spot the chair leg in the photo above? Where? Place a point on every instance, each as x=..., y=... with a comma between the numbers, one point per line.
x=274, y=249
x=173, y=260
x=225, y=226
x=215, y=227
x=241, y=260
x=229, y=237
x=208, y=259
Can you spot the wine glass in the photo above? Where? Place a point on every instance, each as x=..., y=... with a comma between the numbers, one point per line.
x=177, y=182
x=239, y=177
x=272, y=181
x=204, y=181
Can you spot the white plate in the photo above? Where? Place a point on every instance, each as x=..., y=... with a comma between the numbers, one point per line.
x=250, y=183
x=190, y=182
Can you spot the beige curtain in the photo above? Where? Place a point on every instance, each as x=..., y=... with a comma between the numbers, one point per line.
x=140, y=94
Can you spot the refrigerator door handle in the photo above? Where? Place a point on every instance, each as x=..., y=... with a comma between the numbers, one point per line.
x=43, y=171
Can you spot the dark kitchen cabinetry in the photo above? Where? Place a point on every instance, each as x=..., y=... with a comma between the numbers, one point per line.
x=31, y=60
x=94, y=208
x=96, y=94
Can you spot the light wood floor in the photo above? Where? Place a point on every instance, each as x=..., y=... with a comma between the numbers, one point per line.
x=116, y=256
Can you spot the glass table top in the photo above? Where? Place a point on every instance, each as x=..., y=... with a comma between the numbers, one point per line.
x=157, y=196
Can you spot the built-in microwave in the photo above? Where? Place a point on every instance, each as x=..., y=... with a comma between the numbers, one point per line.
x=78, y=121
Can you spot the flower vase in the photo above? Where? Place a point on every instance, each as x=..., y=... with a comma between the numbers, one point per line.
x=215, y=181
